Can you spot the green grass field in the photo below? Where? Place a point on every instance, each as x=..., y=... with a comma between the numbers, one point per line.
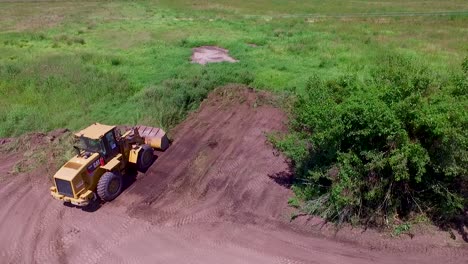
x=66, y=64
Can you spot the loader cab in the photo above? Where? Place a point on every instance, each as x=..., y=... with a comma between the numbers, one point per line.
x=98, y=138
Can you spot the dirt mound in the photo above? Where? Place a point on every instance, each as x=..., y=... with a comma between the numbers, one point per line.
x=210, y=54
x=210, y=198
x=218, y=165
x=19, y=155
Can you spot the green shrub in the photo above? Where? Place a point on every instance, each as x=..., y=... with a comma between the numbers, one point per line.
x=387, y=146
x=115, y=61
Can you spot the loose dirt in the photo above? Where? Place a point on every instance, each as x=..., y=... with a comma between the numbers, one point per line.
x=210, y=54
x=212, y=197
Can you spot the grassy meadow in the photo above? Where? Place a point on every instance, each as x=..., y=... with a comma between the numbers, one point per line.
x=67, y=64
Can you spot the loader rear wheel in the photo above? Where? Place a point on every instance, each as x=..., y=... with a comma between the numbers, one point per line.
x=145, y=158
x=109, y=186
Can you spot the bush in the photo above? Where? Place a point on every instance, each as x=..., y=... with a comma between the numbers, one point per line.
x=115, y=61
x=391, y=145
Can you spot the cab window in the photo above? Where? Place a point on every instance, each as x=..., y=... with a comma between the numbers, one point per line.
x=89, y=145
x=111, y=141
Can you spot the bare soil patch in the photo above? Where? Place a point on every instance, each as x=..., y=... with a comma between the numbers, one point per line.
x=211, y=197
x=209, y=54
x=219, y=163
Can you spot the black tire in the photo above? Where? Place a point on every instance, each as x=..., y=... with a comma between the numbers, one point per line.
x=145, y=158
x=109, y=186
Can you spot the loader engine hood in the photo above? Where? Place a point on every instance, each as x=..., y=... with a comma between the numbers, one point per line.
x=70, y=179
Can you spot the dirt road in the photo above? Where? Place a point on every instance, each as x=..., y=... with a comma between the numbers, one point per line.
x=211, y=197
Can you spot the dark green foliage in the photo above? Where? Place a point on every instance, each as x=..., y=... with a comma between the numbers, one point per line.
x=394, y=144
x=115, y=62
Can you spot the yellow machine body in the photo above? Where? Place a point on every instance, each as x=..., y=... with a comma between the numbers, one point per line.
x=76, y=181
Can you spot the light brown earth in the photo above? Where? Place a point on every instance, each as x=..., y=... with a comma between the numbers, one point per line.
x=210, y=54
x=215, y=196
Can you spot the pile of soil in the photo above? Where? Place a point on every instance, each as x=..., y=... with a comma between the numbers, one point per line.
x=219, y=165
x=212, y=197
x=209, y=54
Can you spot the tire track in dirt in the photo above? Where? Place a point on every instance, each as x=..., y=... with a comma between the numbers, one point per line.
x=31, y=234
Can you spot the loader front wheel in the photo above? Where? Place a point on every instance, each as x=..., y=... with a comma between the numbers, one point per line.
x=109, y=186
x=145, y=158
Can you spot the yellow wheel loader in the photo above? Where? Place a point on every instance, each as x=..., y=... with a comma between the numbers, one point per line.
x=103, y=157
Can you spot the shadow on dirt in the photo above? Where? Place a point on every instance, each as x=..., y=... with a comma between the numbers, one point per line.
x=283, y=178
x=92, y=207
x=460, y=224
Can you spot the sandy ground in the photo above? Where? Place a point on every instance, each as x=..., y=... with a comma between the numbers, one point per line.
x=210, y=198
x=210, y=54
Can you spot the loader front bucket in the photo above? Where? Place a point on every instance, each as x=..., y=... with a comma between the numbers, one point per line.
x=155, y=137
